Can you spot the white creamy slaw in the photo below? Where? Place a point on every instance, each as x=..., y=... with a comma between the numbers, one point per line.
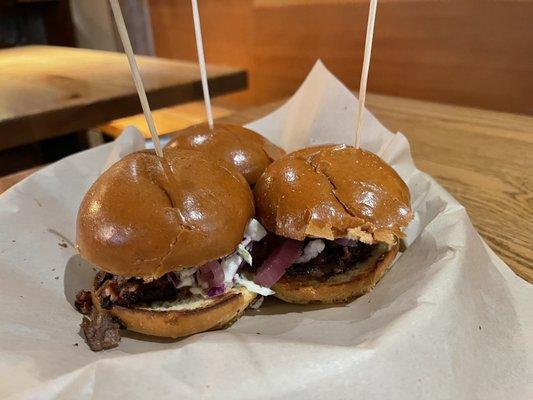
x=230, y=264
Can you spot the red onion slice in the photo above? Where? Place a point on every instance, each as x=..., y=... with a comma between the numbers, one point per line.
x=212, y=273
x=275, y=265
x=216, y=291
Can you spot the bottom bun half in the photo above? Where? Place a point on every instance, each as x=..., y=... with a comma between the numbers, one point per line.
x=184, y=318
x=340, y=288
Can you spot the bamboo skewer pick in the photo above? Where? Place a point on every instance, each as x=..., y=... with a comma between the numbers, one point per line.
x=366, y=67
x=201, y=61
x=123, y=33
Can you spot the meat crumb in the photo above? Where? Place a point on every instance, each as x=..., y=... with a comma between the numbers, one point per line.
x=64, y=245
x=101, y=331
x=84, y=302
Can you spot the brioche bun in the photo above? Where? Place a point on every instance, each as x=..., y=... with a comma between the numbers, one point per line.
x=338, y=289
x=247, y=150
x=146, y=216
x=333, y=191
x=185, y=318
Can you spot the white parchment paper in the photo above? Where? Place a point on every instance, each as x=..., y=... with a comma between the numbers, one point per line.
x=450, y=319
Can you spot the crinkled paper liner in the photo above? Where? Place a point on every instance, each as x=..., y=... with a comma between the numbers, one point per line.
x=449, y=320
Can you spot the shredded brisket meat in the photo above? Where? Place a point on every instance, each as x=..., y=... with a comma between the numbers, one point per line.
x=334, y=259
x=101, y=330
x=128, y=292
x=262, y=249
x=84, y=302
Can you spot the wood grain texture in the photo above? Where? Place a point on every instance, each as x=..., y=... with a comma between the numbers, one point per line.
x=48, y=91
x=484, y=159
x=167, y=120
x=474, y=53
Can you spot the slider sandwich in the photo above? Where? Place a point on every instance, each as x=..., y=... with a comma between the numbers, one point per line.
x=335, y=216
x=168, y=236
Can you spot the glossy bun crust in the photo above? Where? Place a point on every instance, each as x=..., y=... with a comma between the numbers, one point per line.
x=204, y=315
x=333, y=191
x=144, y=217
x=248, y=151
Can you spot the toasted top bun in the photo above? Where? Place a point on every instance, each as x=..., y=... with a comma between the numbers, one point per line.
x=144, y=217
x=333, y=191
x=247, y=150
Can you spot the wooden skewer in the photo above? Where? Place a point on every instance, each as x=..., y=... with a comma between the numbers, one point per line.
x=366, y=67
x=123, y=33
x=201, y=61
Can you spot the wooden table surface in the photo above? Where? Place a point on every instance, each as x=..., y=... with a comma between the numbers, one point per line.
x=48, y=91
x=483, y=158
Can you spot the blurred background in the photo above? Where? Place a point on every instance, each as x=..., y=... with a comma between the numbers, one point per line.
x=477, y=53
x=471, y=53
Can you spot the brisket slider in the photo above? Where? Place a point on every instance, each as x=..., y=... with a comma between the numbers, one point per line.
x=166, y=235
x=247, y=150
x=335, y=216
